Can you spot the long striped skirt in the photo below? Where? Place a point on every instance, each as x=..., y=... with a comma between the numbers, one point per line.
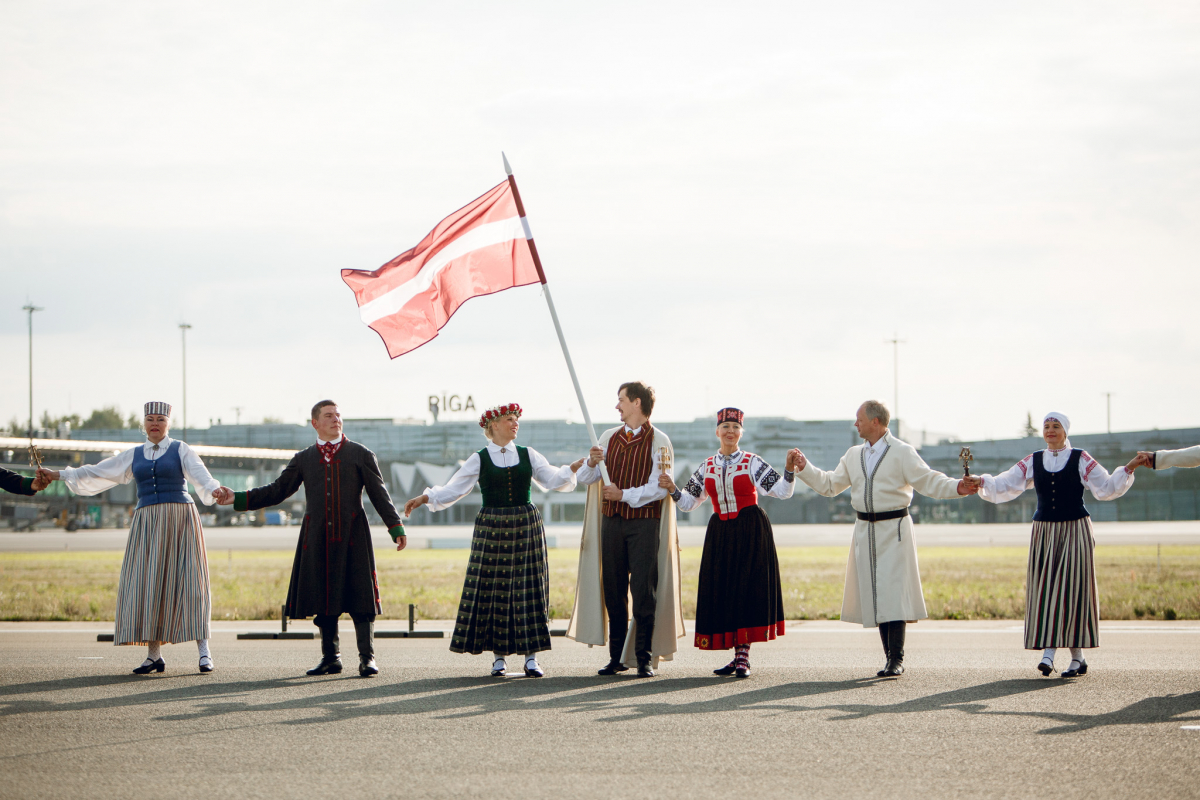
x=164, y=594
x=1061, y=603
x=507, y=590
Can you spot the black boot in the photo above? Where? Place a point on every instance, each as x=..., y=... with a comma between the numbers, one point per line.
x=364, y=631
x=895, y=651
x=331, y=655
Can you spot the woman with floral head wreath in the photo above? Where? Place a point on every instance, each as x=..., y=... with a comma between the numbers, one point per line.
x=1061, y=604
x=163, y=596
x=739, y=600
x=506, y=592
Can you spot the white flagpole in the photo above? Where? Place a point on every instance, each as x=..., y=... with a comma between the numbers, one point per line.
x=537, y=263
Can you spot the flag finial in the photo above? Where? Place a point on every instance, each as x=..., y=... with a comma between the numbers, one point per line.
x=507, y=168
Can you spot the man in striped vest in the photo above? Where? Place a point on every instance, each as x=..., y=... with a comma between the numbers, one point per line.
x=631, y=510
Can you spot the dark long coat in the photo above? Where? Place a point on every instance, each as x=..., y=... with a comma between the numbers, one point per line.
x=334, y=569
x=14, y=482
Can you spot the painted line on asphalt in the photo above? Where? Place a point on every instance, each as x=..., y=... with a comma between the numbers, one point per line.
x=1189, y=727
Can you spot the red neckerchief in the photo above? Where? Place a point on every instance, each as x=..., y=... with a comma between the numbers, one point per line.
x=328, y=451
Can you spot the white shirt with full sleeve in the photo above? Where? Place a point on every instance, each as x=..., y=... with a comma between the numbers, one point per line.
x=766, y=480
x=634, y=496
x=550, y=478
x=1188, y=457
x=1012, y=482
x=95, y=478
x=883, y=580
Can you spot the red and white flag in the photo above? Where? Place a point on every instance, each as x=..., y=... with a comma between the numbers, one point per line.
x=480, y=249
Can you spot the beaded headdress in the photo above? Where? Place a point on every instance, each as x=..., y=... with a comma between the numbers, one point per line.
x=730, y=415
x=158, y=408
x=497, y=412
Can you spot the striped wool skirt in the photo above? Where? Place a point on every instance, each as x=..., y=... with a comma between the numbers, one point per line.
x=507, y=590
x=164, y=594
x=1061, y=604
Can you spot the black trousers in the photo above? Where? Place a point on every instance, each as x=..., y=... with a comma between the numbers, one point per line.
x=629, y=558
x=364, y=631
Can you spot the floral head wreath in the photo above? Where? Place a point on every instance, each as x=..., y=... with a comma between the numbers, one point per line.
x=497, y=412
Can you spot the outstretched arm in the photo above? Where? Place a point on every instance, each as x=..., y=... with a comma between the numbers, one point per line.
x=822, y=482
x=1165, y=459
x=931, y=483
x=691, y=495
x=273, y=493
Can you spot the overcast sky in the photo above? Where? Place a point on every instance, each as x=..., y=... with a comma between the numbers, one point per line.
x=736, y=205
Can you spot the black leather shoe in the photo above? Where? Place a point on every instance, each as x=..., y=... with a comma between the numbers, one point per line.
x=367, y=667
x=612, y=668
x=725, y=670
x=1045, y=668
x=742, y=672
x=330, y=665
x=644, y=671
x=499, y=671
x=155, y=666
x=535, y=671
x=894, y=667
x=206, y=667
x=1075, y=673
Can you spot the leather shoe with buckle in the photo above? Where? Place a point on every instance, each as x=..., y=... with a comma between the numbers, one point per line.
x=612, y=668
x=533, y=669
x=1075, y=673
x=727, y=669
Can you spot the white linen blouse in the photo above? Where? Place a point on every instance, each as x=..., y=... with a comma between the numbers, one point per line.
x=1012, y=482
x=95, y=478
x=550, y=478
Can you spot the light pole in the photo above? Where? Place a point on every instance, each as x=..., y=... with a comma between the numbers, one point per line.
x=895, y=342
x=183, y=329
x=1108, y=401
x=30, y=308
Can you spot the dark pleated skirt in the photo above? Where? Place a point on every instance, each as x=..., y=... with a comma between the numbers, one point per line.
x=739, y=600
x=1062, y=607
x=507, y=590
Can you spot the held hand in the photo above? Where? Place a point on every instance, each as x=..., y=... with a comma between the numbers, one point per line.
x=401, y=542
x=795, y=460
x=965, y=488
x=1149, y=462
x=974, y=480
x=595, y=456
x=223, y=496
x=47, y=475
x=414, y=504
x=575, y=467
x=611, y=492
x=1140, y=460
x=39, y=483
x=665, y=482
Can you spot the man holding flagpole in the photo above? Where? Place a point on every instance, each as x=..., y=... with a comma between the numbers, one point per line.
x=630, y=544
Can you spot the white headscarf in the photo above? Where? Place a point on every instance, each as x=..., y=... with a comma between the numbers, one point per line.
x=1063, y=420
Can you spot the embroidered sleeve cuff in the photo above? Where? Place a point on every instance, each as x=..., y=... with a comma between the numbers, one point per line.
x=27, y=486
x=239, y=501
x=790, y=477
x=396, y=531
x=675, y=495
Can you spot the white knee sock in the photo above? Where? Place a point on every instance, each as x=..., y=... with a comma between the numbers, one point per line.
x=498, y=661
x=154, y=653
x=1049, y=653
x=1077, y=654
x=202, y=646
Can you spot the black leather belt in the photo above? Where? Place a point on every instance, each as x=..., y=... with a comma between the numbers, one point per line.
x=883, y=515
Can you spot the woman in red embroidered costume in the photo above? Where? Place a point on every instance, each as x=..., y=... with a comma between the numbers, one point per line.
x=739, y=600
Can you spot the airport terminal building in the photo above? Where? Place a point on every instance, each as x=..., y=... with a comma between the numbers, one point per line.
x=414, y=454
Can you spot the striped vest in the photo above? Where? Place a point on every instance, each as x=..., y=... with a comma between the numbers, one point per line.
x=629, y=463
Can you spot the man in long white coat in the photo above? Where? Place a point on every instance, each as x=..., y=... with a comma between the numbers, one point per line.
x=883, y=583
x=1165, y=459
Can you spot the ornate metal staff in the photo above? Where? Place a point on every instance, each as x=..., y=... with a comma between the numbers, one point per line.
x=964, y=455
x=664, y=460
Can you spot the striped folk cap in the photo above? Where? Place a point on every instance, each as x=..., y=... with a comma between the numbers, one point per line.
x=158, y=408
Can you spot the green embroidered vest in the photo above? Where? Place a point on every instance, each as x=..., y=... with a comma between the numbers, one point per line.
x=503, y=487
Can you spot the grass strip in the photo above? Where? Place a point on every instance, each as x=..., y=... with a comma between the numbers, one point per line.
x=960, y=583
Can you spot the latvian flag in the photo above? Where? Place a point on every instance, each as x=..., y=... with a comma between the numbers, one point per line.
x=479, y=249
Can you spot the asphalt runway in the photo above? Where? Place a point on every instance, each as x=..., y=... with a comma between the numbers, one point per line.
x=459, y=536
x=970, y=718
